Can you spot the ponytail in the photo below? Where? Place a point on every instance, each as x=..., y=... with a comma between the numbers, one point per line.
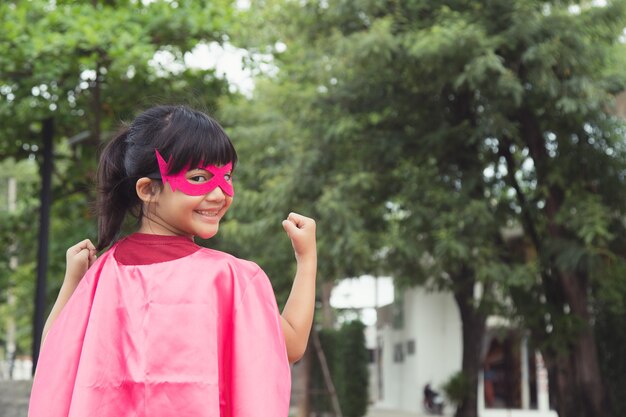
x=116, y=192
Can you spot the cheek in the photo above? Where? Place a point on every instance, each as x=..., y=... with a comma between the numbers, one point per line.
x=188, y=203
x=229, y=201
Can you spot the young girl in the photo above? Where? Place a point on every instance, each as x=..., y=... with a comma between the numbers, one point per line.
x=159, y=326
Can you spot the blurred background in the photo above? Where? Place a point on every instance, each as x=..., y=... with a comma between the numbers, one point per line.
x=465, y=161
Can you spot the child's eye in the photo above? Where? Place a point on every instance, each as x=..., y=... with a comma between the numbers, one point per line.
x=228, y=177
x=198, y=178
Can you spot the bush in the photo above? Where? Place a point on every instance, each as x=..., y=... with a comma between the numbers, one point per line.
x=456, y=388
x=347, y=359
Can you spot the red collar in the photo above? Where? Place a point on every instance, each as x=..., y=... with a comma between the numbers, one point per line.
x=145, y=249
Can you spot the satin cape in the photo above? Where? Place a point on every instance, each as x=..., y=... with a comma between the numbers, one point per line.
x=198, y=336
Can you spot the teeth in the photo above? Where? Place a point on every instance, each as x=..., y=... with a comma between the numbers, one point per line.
x=208, y=213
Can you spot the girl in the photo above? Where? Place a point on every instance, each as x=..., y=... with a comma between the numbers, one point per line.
x=159, y=326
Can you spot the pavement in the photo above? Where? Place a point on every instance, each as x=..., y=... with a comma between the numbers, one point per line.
x=391, y=413
x=378, y=411
x=14, y=402
x=14, y=398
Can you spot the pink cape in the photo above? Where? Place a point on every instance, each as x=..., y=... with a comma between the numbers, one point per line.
x=198, y=336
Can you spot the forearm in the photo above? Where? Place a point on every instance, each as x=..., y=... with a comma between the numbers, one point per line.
x=299, y=309
x=67, y=289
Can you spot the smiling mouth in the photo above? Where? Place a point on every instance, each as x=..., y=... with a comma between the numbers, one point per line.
x=208, y=213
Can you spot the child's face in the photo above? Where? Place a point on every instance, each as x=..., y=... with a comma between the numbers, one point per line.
x=190, y=215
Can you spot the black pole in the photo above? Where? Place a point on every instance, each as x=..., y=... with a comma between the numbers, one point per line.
x=47, y=134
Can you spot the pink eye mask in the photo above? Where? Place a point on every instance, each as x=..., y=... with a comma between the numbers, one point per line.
x=178, y=181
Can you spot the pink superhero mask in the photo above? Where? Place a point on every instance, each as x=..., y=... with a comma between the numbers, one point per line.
x=179, y=180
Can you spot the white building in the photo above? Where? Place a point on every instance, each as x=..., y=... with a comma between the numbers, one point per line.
x=419, y=341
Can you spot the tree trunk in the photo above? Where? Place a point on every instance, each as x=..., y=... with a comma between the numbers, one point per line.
x=474, y=326
x=328, y=314
x=578, y=382
x=47, y=134
x=97, y=104
x=304, y=382
x=579, y=385
x=304, y=373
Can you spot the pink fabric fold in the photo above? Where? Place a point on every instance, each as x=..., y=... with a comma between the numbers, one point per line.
x=198, y=336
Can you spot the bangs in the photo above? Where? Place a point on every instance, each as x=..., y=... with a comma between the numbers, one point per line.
x=193, y=139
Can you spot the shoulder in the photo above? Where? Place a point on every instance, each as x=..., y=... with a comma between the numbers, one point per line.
x=248, y=279
x=224, y=257
x=239, y=267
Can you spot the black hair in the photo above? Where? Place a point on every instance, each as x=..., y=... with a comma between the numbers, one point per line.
x=185, y=135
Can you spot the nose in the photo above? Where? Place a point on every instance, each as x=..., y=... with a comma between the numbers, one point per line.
x=216, y=194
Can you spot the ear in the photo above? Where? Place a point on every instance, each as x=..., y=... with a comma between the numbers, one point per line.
x=146, y=189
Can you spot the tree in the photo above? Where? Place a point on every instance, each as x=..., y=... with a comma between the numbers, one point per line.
x=280, y=172
x=16, y=242
x=453, y=121
x=70, y=70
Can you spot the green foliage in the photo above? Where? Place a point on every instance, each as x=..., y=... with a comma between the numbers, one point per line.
x=347, y=359
x=478, y=136
x=253, y=228
x=456, y=388
x=279, y=172
x=447, y=143
x=89, y=64
x=85, y=65
x=22, y=311
x=17, y=240
x=353, y=383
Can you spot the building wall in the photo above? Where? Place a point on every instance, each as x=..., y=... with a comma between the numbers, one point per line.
x=431, y=321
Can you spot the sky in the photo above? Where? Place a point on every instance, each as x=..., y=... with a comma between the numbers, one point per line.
x=364, y=293
x=228, y=62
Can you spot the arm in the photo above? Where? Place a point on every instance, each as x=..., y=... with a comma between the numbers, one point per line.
x=79, y=258
x=297, y=316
